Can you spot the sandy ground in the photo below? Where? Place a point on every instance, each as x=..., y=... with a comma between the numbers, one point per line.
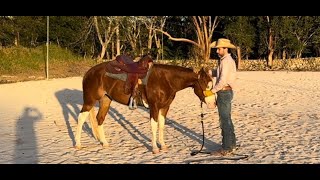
x=276, y=117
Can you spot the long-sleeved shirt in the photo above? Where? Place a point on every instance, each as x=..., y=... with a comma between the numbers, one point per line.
x=226, y=74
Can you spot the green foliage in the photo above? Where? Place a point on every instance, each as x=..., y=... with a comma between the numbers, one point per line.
x=6, y=31
x=240, y=30
x=22, y=60
x=293, y=35
x=19, y=59
x=58, y=54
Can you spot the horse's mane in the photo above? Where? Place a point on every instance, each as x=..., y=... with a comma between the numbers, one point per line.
x=174, y=67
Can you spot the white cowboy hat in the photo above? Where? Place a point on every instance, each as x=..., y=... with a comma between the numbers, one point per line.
x=222, y=42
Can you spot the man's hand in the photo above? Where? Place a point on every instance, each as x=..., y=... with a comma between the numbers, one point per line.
x=208, y=93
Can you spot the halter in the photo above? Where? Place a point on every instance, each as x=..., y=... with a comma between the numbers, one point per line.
x=203, y=89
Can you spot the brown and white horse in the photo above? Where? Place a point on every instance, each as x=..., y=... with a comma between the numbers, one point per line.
x=163, y=83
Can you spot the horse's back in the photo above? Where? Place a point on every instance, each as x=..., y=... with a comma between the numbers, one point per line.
x=99, y=69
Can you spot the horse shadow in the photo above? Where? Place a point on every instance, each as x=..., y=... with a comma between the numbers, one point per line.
x=25, y=143
x=70, y=100
x=119, y=118
x=208, y=144
x=134, y=132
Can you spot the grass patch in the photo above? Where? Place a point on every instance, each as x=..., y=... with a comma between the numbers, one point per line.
x=24, y=63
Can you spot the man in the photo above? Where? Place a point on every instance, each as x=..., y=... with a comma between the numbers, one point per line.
x=225, y=82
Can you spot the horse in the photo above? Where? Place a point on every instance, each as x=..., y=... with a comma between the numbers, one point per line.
x=164, y=81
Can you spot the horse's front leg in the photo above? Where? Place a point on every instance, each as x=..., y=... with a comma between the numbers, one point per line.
x=154, y=128
x=161, y=121
x=81, y=119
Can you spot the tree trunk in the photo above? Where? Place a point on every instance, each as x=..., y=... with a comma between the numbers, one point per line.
x=150, y=40
x=112, y=50
x=270, y=60
x=16, y=39
x=299, y=54
x=270, y=48
x=108, y=55
x=158, y=45
x=58, y=43
x=118, y=39
x=239, y=57
x=284, y=54
x=103, y=52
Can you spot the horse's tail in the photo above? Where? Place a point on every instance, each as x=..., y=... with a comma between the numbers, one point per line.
x=94, y=124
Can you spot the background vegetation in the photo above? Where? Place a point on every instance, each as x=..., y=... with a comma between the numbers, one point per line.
x=77, y=41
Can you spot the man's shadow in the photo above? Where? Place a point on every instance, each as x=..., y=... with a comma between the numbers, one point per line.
x=70, y=99
x=26, y=150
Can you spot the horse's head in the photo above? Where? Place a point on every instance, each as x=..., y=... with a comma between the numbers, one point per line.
x=203, y=83
x=144, y=61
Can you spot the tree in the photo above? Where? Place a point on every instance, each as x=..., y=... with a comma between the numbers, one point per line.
x=7, y=30
x=157, y=39
x=304, y=29
x=269, y=32
x=241, y=32
x=203, y=27
x=131, y=26
x=105, y=29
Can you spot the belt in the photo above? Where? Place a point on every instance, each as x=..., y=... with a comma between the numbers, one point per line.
x=226, y=88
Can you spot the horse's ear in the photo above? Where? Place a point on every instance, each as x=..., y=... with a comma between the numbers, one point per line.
x=196, y=70
x=206, y=69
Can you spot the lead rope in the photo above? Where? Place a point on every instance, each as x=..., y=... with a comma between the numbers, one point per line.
x=200, y=151
x=238, y=156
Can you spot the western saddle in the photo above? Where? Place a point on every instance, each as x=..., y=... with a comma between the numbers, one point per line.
x=134, y=70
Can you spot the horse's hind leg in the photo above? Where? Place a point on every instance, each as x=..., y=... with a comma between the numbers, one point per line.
x=161, y=121
x=81, y=119
x=104, y=105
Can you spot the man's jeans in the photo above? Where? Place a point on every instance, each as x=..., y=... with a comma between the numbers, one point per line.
x=224, y=108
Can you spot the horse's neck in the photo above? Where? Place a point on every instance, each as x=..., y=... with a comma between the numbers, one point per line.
x=180, y=78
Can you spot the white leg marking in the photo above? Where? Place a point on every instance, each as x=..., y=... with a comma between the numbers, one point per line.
x=145, y=104
x=81, y=119
x=103, y=140
x=130, y=103
x=161, y=120
x=154, y=128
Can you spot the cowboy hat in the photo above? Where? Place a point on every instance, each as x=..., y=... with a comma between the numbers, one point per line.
x=222, y=42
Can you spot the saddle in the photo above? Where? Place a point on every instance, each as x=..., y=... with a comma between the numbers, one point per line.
x=134, y=70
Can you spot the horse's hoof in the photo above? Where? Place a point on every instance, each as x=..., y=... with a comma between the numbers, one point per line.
x=155, y=151
x=164, y=149
x=78, y=147
x=105, y=145
x=132, y=108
